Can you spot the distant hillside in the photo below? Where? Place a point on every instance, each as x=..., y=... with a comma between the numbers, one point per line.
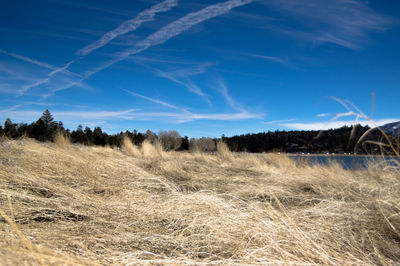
x=391, y=128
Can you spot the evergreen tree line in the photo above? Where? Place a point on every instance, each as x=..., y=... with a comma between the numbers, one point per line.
x=45, y=129
x=342, y=140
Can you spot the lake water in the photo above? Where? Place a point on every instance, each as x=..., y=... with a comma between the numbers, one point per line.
x=349, y=162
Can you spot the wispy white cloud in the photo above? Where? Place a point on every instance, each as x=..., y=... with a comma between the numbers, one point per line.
x=25, y=88
x=337, y=124
x=66, y=85
x=159, y=102
x=193, y=70
x=275, y=59
x=12, y=108
x=16, y=74
x=161, y=36
x=129, y=114
x=29, y=60
x=278, y=121
x=128, y=26
x=183, y=77
x=51, y=91
x=188, y=21
x=187, y=116
x=226, y=117
x=46, y=104
x=224, y=91
x=167, y=59
x=256, y=20
x=63, y=68
x=54, y=70
x=184, y=117
x=333, y=122
x=173, y=29
x=342, y=22
x=32, y=115
x=125, y=114
x=340, y=115
x=325, y=114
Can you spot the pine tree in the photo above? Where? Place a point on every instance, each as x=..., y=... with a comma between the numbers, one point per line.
x=78, y=136
x=45, y=127
x=10, y=128
x=47, y=118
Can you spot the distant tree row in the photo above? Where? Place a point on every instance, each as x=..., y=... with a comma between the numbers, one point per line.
x=43, y=129
x=342, y=140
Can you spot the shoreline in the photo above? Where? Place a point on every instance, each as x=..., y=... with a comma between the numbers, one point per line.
x=321, y=154
x=338, y=155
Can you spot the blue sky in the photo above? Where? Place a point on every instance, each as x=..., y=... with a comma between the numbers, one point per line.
x=204, y=68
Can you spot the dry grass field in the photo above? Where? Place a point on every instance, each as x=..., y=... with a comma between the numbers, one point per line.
x=67, y=204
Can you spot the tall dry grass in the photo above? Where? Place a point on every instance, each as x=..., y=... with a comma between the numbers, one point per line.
x=95, y=205
x=151, y=150
x=223, y=151
x=129, y=148
x=62, y=140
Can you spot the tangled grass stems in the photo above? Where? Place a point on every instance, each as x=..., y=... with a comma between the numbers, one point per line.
x=82, y=205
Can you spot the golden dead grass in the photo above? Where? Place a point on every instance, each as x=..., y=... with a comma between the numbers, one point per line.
x=67, y=204
x=129, y=148
x=61, y=140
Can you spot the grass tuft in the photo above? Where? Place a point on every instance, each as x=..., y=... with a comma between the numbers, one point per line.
x=129, y=148
x=62, y=140
x=223, y=152
x=151, y=150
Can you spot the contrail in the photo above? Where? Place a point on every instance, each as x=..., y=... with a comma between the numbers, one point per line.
x=189, y=84
x=29, y=60
x=54, y=69
x=177, y=27
x=49, y=76
x=42, y=64
x=130, y=25
x=173, y=29
x=61, y=69
x=127, y=26
x=154, y=100
x=228, y=98
x=167, y=32
x=186, y=115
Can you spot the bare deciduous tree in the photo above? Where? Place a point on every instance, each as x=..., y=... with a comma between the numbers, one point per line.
x=202, y=145
x=170, y=140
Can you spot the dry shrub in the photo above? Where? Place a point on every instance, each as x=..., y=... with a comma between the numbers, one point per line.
x=202, y=145
x=129, y=148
